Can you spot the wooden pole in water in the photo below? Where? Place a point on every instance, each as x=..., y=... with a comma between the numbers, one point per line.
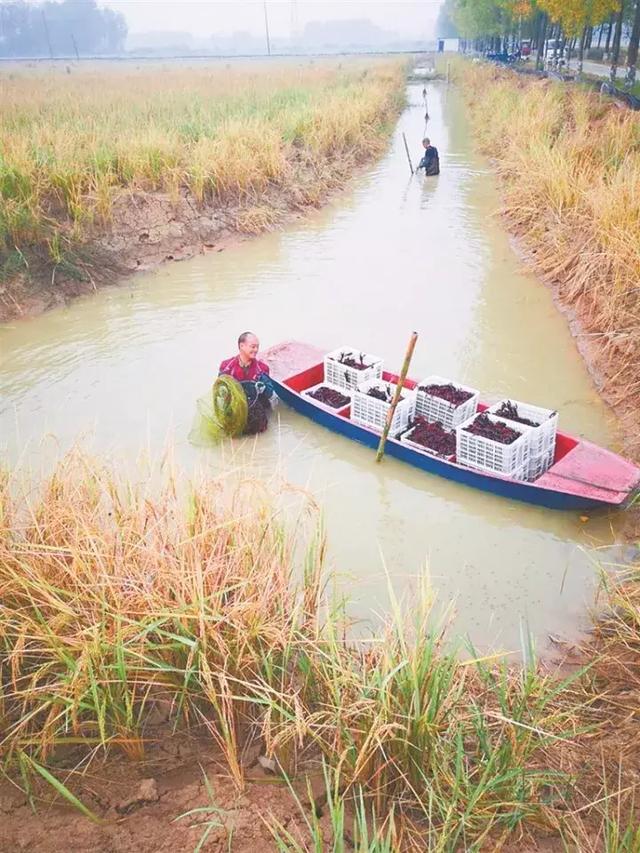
x=406, y=148
x=396, y=396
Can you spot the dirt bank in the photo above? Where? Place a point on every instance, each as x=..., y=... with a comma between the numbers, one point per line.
x=147, y=229
x=181, y=792
x=148, y=806
x=117, y=170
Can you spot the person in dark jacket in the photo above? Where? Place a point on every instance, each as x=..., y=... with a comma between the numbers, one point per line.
x=430, y=162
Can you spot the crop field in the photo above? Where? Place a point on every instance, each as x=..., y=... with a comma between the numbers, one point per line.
x=70, y=142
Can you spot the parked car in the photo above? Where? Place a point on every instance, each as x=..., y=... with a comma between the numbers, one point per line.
x=555, y=48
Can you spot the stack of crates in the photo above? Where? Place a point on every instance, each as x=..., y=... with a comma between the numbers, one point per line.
x=541, y=439
x=485, y=454
x=434, y=408
x=370, y=412
x=340, y=375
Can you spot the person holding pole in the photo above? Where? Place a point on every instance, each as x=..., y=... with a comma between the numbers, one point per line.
x=430, y=161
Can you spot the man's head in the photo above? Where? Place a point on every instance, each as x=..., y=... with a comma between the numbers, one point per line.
x=248, y=346
x=426, y=142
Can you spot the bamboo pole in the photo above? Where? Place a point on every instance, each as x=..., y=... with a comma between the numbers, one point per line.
x=396, y=396
x=406, y=148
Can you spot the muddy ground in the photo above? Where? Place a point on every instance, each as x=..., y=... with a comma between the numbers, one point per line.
x=142, y=806
x=180, y=794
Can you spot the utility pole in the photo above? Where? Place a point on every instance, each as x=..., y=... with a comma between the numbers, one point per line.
x=266, y=26
x=46, y=32
x=294, y=24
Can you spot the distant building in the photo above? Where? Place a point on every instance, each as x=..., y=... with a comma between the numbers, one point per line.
x=448, y=45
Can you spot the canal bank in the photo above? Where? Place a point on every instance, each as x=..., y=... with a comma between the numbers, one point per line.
x=568, y=164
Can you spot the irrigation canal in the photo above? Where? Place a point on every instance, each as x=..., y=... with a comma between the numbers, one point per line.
x=124, y=367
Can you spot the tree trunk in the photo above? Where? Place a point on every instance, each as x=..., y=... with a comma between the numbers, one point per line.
x=607, y=44
x=632, y=53
x=535, y=31
x=559, y=43
x=616, y=44
x=600, y=33
x=581, y=47
x=555, y=35
x=542, y=33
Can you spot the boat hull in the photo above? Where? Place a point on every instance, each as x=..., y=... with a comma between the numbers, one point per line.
x=531, y=493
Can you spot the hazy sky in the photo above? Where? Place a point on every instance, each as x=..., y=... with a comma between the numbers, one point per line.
x=203, y=17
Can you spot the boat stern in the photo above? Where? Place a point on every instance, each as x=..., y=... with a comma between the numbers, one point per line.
x=594, y=473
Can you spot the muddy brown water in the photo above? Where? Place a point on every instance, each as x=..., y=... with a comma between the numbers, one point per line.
x=125, y=366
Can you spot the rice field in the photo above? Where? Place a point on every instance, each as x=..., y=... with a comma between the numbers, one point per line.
x=72, y=142
x=570, y=165
x=211, y=601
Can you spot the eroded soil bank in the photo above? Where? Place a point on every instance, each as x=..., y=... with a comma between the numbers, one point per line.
x=104, y=171
x=139, y=804
x=147, y=229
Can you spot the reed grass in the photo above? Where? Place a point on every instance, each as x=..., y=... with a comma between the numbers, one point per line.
x=117, y=599
x=570, y=166
x=71, y=144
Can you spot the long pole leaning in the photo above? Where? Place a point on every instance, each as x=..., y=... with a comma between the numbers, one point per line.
x=406, y=148
x=396, y=397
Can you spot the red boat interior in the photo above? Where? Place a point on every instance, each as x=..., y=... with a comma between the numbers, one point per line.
x=315, y=376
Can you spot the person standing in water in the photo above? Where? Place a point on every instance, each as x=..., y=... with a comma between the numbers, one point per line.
x=253, y=374
x=246, y=366
x=430, y=162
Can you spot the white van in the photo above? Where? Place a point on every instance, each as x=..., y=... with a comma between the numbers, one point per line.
x=555, y=46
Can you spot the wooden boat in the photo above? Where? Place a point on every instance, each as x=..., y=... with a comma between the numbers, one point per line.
x=583, y=476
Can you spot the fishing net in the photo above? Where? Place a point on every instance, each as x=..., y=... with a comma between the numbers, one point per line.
x=231, y=409
x=223, y=413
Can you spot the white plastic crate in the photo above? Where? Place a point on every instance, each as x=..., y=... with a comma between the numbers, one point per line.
x=372, y=413
x=436, y=409
x=520, y=473
x=537, y=465
x=341, y=376
x=510, y=460
x=328, y=408
x=542, y=439
x=404, y=438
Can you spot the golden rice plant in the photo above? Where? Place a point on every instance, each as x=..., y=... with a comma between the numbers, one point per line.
x=113, y=602
x=70, y=143
x=118, y=599
x=570, y=164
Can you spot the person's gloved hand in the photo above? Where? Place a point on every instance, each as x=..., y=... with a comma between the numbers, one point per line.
x=266, y=386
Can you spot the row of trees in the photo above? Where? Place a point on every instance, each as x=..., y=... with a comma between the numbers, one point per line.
x=71, y=27
x=574, y=24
